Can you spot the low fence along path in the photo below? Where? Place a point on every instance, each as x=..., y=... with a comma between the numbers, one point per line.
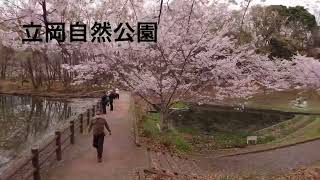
x=121, y=157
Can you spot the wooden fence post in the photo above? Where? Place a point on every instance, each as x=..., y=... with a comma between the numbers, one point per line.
x=88, y=116
x=98, y=106
x=81, y=123
x=72, y=132
x=35, y=164
x=93, y=110
x=58, y=145
x=69, y=111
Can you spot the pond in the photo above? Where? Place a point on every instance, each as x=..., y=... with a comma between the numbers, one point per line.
x=26, y=121
x=211, y=118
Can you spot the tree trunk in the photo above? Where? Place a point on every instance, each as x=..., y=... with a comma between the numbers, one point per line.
x=3, y=71
x=164, y=121
x=31, y=75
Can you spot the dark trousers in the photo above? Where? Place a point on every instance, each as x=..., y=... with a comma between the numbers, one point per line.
x=111, y=106
x=103, y=106
x=98, y=140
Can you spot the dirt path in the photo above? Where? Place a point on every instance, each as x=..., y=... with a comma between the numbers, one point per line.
x=120, y=158
x=264, y=163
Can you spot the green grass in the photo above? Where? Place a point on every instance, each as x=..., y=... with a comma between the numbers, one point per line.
x=266, y=139
x=229, y=140
x=219, y=140
x=287, y=127
x=282, y=101
x=171, y=138
x=298, y=129
x=180, y=105
x=175, y=139
x=310, y=131
x=150, y=128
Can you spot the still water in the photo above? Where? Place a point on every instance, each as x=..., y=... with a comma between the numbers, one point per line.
x=26, y=121
x=210, y=118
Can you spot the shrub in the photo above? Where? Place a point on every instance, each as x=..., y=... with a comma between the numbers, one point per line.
x=150, y=128
x=180, y=105
x=229, y=140
x=175, y=139
x=266, y=139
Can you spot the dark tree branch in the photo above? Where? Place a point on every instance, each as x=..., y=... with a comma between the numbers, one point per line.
x=161, y=4
x=190, y=13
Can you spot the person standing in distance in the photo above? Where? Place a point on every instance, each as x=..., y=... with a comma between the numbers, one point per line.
x=111, y=98
x=117, y=93
x=104, y=102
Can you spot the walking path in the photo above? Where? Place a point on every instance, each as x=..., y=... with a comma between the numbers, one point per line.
x=121, y=157
x=264, y=163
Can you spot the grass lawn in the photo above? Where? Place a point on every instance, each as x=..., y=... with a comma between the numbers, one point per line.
x=172, y=139
x=283, y=101
x=283, y=129
x=310, y=131
x=180, y=105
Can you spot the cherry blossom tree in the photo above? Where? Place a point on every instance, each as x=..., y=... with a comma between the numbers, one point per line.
x=17, y=13
x=197, y=55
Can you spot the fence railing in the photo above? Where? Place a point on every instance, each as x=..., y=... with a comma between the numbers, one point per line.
x=30, y=167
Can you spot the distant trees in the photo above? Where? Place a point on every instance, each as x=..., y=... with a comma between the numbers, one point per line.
x=203, y=61
x=41, y=62
x=6, y=57
x=198, y=53
x=281, y=31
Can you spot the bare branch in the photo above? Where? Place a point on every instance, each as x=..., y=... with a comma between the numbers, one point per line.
x=160, y=11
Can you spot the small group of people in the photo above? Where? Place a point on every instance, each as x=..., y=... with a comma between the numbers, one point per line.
x=107, y=99
x=99, y=122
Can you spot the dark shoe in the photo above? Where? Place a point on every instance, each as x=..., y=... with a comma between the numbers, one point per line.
x=99, y=160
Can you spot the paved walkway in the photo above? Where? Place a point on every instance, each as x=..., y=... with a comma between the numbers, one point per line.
x=120, y=158
x=264, y=163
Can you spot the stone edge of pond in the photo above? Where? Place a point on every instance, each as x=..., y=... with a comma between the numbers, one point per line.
x=271, y=148
x=249, y=108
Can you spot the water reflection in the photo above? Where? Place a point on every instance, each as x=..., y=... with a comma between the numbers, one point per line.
x=25, y=119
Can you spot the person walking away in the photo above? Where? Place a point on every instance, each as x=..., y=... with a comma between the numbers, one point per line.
x=98, y=124
x=111, y=98
x=117, y=93
x=104, y=102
